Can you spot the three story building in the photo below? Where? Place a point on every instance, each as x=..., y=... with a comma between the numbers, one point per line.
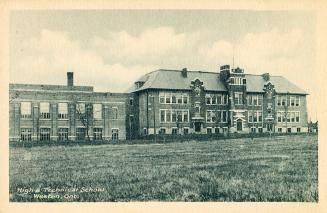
x=184, y=102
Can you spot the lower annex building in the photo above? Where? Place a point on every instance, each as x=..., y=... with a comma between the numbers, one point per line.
x=161, y=102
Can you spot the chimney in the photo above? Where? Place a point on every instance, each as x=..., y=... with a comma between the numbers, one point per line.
x=70, y=79
x=266, y=76
x=184, y=72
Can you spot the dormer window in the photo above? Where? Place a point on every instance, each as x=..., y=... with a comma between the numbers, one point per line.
x=139, y=84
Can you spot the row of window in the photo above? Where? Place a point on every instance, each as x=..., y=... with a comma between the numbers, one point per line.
x=237, y=81
x=283, y=100
x=255, y=116
x=290, y=117
x=26, y=134
x=216, y=116
x=254, y=100
x=174, y=130
x=289, y=130
x=95, y=109
x=173, y=115
x=216, y=130
x=216, y=99
x=173, y=98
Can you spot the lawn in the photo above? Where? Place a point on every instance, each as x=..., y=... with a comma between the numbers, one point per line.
x=262, y=169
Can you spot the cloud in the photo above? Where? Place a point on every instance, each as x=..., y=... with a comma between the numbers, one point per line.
x=48, y=58
x=152, y=45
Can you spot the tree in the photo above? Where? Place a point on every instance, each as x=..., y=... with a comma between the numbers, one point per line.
x=84, y=114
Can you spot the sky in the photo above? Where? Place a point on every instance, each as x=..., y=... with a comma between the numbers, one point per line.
x=110, y=49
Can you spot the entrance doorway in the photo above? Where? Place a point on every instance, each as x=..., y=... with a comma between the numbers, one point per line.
x=197, y=127
x=239, y=125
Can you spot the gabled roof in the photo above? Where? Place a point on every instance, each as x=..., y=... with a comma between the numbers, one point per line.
x=173, y=79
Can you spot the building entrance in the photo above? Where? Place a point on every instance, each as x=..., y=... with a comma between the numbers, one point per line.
x=239, y=125
x=197, y=127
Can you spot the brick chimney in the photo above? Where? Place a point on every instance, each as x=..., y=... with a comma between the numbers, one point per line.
x=266, y=76
x=184, y=72
x=70, y=79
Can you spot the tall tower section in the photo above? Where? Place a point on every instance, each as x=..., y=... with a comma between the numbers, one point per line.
x=235, y=82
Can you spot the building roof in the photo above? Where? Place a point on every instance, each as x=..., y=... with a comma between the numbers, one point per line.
x=173, y=79
x=46, y=87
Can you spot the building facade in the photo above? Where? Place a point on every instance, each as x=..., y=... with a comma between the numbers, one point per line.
x=185, y=102
x=175, y=102
x=65, y=113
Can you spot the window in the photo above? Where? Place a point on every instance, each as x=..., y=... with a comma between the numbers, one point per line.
x=225, y=99
x=283, y=100
x=26, y=134
x=185, y=99
x=180, y=99
x=292, y=100
x=131, y=101
x=114, y=134
x=260, y=116
x=214, y=100
x=180, y=116
x=297, y=100
x=80, y=133
x=279, y=117
x=279, y=130
x=168, y=99
x=288, y=117
x=162, y=116
x=168, y=115
x=211, y=116
x=254, y=100
x=238, y=97
x=173, y=99
x=292, y=116
x=253, y=129
x=173, y=116
x=80, y=108
x=289, y=130
x=260, y=130
x=63, y=134
x=209, y=130
x=298, y=129
x=185, y=131
x=254, y=116
x=237, y=81
x=224, y=116
x=297, y=117
x=45, y=110
x=278, y=100
x=97, y=111
x=162, y=131
x=114, y=113
x=174, y=131
x=44, y=134
x=217, y=130
x=208, y=100
x=97, y=133
x=162, y=98
x=25, y=110
x=62, y=111
x=185, y=116
x=250, y=115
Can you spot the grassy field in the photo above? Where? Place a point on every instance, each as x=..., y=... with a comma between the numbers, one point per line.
x=277, y=169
